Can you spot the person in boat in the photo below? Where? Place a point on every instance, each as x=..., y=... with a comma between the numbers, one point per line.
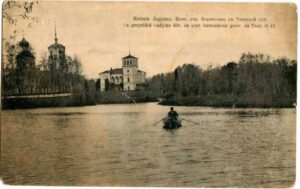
x=172, y=114
x=172, y=120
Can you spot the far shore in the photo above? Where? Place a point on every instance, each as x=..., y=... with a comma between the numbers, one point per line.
x=136, y=97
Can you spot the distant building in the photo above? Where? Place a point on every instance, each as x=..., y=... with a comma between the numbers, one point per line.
x=24, y=77
x=127, y=78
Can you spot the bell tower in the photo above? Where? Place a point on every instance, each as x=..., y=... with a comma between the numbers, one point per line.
x=57, y=55
x=130, y=69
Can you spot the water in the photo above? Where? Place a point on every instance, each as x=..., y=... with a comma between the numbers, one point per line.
x=117, y=145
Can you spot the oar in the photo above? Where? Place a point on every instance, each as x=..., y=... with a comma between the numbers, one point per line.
x=190, y=121
x=158, y=121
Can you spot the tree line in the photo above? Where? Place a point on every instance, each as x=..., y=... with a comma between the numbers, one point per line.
x=255, y=80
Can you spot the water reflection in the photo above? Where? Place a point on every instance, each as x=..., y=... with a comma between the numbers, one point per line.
x=117, y=145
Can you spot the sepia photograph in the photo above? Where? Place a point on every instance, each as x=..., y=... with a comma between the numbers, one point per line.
x=148, y=94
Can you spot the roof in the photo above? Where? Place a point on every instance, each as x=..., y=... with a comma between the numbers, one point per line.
x=56, y=45
x=129, y=56
x=117, y=71
x=114, y=71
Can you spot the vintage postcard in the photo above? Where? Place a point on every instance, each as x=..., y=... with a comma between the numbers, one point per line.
x=149, y=94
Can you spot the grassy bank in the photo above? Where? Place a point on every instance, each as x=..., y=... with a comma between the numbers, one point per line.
x=80, y=98
x=25, y=103
x=119, y=97
x=244, y=101
x=41, y=102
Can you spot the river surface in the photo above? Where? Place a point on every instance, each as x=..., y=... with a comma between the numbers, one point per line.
x=118, y=145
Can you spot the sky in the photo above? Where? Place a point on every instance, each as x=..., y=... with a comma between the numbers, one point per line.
x=95, y=32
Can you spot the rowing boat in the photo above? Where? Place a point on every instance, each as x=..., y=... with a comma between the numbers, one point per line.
x=171, y=123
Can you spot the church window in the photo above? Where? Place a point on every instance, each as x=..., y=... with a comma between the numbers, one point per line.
x=128, y=79
x=127, y=71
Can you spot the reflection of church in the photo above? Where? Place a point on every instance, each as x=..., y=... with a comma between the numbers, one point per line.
x=127, y=78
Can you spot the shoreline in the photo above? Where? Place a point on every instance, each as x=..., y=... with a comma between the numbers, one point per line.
x=229, y=107
x=228, y=101
x=157, y=103
x=135, y=97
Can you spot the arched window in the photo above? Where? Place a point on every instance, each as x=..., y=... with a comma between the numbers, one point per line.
x=117, y=80
x=113, y=79
x=128, y=79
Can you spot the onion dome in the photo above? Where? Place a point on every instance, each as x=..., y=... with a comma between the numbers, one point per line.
x=24, y=43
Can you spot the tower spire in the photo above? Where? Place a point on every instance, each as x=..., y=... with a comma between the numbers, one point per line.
x=129, y=48
x=55, y=38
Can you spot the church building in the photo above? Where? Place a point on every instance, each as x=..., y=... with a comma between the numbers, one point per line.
x=127, y=78
x=25, y=69
x=57, y=57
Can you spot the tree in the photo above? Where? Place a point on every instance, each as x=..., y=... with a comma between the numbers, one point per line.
x=255, y=79
x=229, y=76
x=97, y=85
x=14, y=11
x=76, y=66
